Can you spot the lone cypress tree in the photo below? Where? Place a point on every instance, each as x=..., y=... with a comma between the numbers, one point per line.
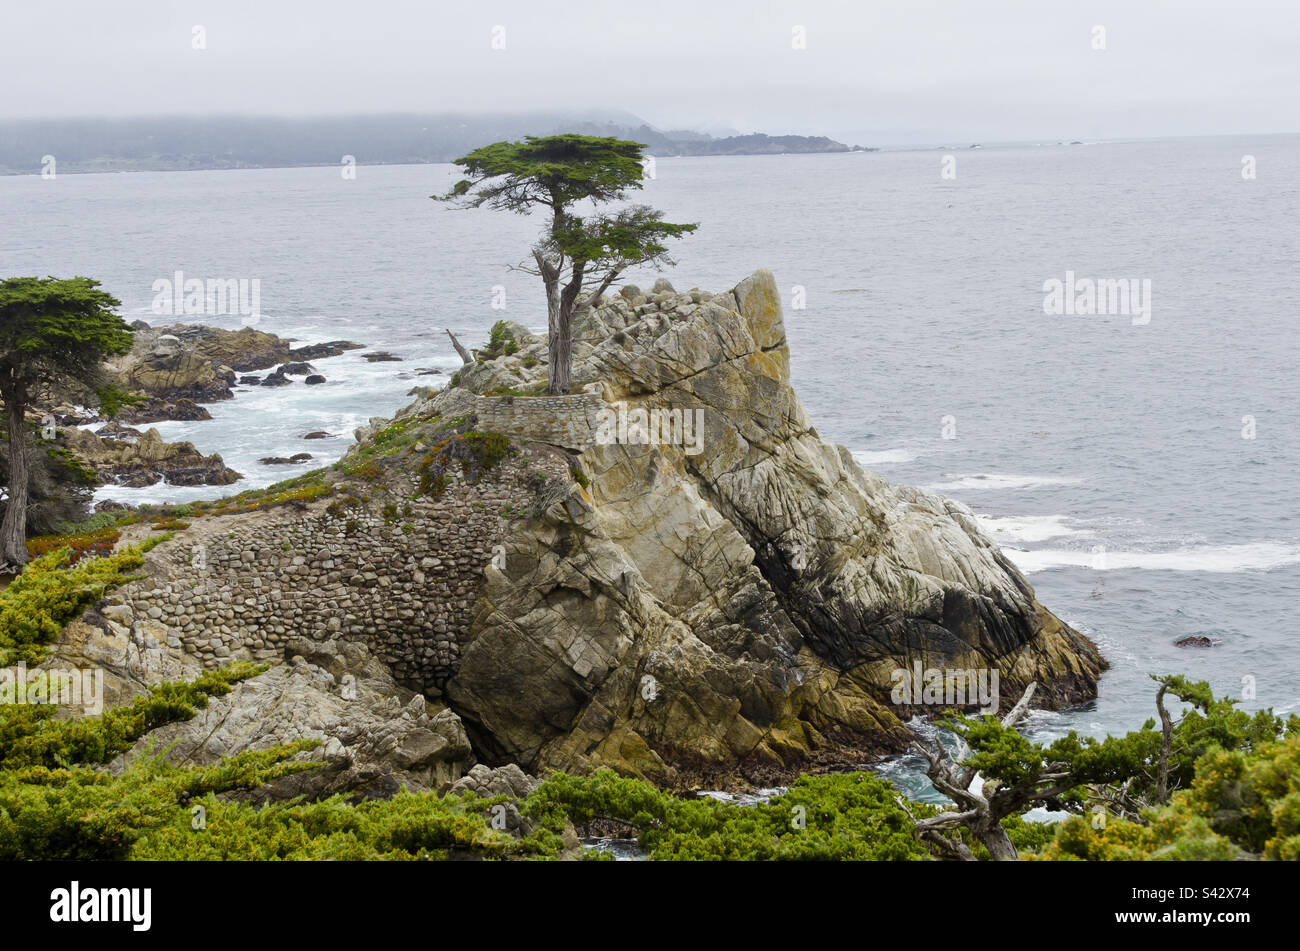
x=559, y=172
x=54, y=336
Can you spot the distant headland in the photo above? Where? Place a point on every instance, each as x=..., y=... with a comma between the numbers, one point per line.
x=180, y=143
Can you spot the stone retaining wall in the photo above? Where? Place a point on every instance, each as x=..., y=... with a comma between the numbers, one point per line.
x=241, y=586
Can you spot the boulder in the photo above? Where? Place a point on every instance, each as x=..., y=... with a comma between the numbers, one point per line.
x=319, y=351
x=376, y=737
x=486, y=782
x=156, y=411
x=165, y=346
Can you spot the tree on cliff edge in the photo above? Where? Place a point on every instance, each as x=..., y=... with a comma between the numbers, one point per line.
x=54, y=335
x=575, y=253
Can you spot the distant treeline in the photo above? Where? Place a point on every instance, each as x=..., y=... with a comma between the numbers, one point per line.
x=178, y=142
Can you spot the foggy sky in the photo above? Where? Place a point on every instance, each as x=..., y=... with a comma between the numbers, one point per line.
x=873, y=72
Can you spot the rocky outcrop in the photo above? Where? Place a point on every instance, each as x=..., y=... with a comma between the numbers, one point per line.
x=175, y=367
x=736, y=599
x=725, y=600
x=128, y=457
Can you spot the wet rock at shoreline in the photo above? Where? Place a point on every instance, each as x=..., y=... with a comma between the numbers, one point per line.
x=319, y=351
x=161, y=411
x=130, y=458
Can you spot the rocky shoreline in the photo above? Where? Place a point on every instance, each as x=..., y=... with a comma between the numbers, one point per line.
x=169, y=373
x=488, y=584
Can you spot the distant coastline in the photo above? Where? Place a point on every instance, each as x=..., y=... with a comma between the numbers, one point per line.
x=38, y=146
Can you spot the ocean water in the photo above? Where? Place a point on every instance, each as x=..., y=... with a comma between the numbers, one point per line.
x=1106, y=455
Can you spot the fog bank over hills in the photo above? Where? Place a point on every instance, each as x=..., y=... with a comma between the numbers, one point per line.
x=217, y=142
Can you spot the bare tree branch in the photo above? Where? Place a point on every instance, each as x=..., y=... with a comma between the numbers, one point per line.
x=464, y=354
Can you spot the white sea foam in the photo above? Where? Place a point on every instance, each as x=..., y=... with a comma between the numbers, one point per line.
x=1255, y=556
x=997, y=480
x=882, y=457
x=1026, y=528
x=270, y=421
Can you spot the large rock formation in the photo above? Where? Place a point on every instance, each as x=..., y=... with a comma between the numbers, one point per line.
x=730, y=602
x=737, y=600
x=125, y=456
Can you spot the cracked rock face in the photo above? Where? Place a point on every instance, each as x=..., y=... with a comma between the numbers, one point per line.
x=733, y=604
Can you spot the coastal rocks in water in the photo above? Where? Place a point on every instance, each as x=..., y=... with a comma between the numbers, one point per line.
x=296, y=458
x=130, y=458
x=318, y=434
x=382, y=356
x=1194, y=640
x=170, y=375
x=175, y=367
x=314, y=380
x=194, y=363
x=319, y=351
x=243, y=351
x=276, y=379
x=157, y=411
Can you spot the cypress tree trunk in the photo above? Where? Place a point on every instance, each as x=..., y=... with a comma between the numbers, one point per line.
x=13, y=533
x=559, y=342
x=559, y=329
x=990, y=832
x=561, y=339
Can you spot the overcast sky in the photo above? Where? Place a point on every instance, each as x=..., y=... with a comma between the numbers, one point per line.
x=872, y=72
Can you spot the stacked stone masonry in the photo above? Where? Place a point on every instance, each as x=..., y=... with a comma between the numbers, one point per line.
x=245, y=585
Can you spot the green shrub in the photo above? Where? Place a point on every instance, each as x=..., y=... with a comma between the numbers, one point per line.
x=408, y=826
x=844, y=816
x=473, y=451
x=48, y=594
x=32, y=736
